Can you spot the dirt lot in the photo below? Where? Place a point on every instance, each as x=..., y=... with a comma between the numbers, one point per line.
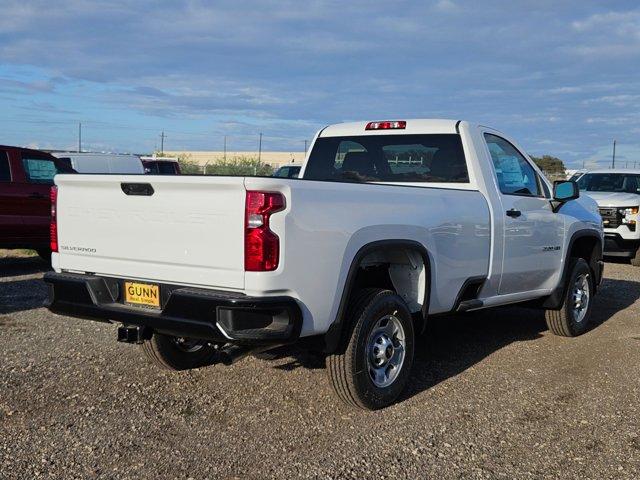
x=493, y=395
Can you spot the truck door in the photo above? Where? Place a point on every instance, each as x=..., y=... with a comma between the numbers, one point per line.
x=533, y=233
x=11, y=226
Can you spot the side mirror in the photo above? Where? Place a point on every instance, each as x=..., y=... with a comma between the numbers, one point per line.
x=563, y=191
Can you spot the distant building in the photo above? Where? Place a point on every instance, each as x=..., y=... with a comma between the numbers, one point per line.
x=275, y=159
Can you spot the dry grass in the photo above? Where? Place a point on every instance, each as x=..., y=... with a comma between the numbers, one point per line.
x=18, y=253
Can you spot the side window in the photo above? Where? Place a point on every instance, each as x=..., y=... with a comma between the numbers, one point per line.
x=5, y=169
x=39, y=170
x=515, y=175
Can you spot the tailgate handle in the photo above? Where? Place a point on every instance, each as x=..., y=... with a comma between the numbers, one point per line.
x=143, y=189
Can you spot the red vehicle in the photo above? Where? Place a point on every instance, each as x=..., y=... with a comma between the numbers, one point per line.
x=26, y=177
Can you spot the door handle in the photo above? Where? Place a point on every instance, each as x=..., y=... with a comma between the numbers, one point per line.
x=513, y=213
x=36, y=195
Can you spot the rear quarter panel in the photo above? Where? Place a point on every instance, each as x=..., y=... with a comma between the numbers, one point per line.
x=326, y=223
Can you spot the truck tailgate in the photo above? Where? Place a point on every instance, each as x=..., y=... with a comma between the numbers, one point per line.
x=190, y=230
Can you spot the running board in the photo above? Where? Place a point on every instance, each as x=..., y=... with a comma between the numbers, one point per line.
x=469, y=305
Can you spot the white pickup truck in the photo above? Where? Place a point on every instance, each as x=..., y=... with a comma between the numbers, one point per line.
x=389, y=222
x=617, y=193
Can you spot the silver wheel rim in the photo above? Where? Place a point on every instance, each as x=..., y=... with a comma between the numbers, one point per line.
x=189, y=345
x=385, y=351
x=580, y=297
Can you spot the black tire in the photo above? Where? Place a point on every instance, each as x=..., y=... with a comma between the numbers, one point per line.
x=166, y=352
x=349, y=369
x=635, y=261
x=564, y=322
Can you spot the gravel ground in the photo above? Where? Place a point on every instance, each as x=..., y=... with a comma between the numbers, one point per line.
x=493, y=395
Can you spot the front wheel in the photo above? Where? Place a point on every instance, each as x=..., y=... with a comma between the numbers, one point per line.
x=573, y=317
x=178, y=353
x=372, y=369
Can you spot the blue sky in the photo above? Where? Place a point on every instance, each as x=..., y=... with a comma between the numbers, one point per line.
x=562, y=77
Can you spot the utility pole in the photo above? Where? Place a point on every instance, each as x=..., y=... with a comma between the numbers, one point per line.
x=613, y=159
x=305, y=146
x=162, y=135
x=260, y=147
x=225, y=149
x=79, y=137
x=583, y=164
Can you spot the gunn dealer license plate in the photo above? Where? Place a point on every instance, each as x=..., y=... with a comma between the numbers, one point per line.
x=144, y=294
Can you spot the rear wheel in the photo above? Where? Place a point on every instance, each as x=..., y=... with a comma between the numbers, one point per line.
x=372, y=369
x=573, y=317
x=179, y=353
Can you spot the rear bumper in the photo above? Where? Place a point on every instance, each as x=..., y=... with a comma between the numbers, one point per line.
x=616, y=246
x=186, y=312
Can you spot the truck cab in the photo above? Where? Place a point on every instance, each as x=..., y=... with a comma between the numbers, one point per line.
x=26, y=177
x=617, y=193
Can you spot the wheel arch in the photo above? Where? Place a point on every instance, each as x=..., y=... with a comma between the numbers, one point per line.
x=585, y=244
x=334, y=334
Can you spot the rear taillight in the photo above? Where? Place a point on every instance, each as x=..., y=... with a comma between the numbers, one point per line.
x=53, y=226
x=261, y=245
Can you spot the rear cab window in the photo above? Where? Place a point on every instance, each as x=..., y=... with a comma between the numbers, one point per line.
x=435, y=158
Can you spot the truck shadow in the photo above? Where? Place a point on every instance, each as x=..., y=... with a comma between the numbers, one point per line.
x=20, y=295
x=17, y=266
x=452, y=344
x=19, y=292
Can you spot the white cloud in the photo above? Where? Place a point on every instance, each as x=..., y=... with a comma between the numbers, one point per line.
x=543, y=73
x=613, y=34
x=574, y=89
x=620, y=100
x=624, y=24
x=446, y=6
